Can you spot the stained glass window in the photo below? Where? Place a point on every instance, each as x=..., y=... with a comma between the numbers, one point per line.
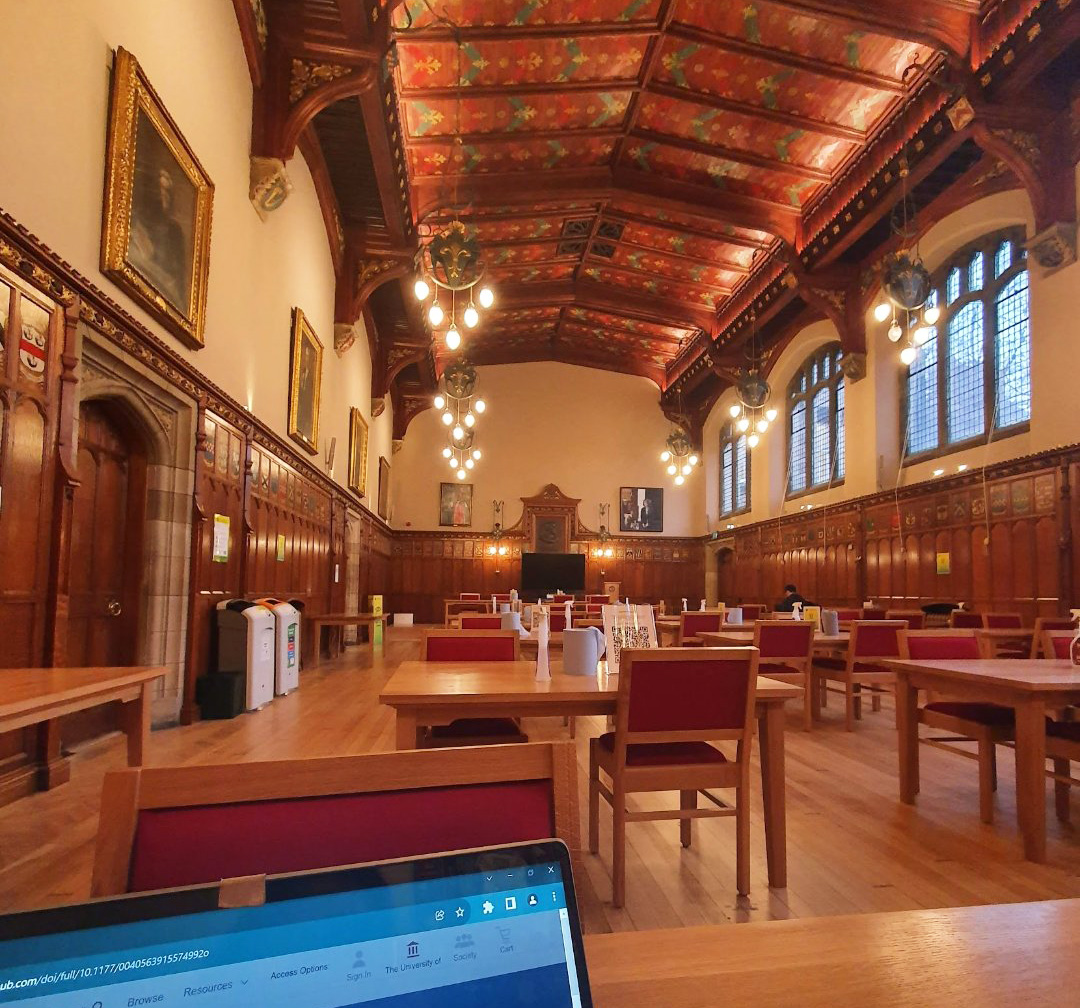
x=734, y=472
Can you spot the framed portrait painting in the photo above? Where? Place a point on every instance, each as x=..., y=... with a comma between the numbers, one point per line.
x=305, y=384
x=641, y=509
x=384, y=489
x=155, y=240
x=358, y=446
x=455, y=504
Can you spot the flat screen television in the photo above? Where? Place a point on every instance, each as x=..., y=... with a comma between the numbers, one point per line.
x=544, y=572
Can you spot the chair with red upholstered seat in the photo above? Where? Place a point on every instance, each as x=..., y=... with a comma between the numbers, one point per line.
x=1004, y=621
x=873, y=613
x=480, y=621
x=469, y=596
x=914, y=618
x=561, y=599
x=1057, y=643
x=692, y=623
x=672, y=704
x=871, y=642
x=986, y=724
x=785, y=652
x=473, y=645
x=847, y=615
x=962, y=619
x=1038, y=638
x=752, y=611
x=597, y=600
x=501, y=596
x=178, y=826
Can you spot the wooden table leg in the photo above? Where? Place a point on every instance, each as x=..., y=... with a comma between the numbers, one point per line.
x=135, y=717
x=1031, y=777
x=907, y=737
x=771, y=740
x=407, y=730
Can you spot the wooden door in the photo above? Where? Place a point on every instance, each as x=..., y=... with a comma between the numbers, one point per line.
x=106, y=553
x=725, y=577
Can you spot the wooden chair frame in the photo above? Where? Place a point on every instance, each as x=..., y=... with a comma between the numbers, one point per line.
x=986, y=737
x=687, y=779
x=852, y=679
x=903, y=614
x=684, y=640
x=126, y=793
x=1048, y=638
x=800, y=665
x=444, y=632
x=966, y=612
x=1039, y=639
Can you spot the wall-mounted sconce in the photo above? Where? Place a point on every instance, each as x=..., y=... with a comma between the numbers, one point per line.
x=603, y=550
x=497, y=548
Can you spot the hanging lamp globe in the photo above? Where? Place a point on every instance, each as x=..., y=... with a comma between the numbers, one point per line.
x=906, y=281
x=753, y=391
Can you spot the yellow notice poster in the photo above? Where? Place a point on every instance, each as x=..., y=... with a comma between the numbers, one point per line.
x=221, y=539
x=376, y=610
x=944, y=563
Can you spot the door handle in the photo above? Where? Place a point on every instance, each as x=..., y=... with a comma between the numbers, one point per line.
x=114, y=608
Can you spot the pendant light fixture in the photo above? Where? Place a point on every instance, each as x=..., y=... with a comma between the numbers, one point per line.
x=752, y=414
x=461, y=408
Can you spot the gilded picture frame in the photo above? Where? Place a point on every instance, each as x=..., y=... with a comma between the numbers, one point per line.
x=358, y=452
x=158, y=203
x=305, y=383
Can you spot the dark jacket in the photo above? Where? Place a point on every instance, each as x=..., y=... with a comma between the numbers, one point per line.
x=787, y=604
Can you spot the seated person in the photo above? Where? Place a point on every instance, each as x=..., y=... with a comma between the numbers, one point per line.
x=787, y=603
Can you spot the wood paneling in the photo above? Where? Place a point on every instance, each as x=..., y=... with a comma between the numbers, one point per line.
x=1008, y=541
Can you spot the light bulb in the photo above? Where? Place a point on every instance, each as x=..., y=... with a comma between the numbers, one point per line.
x=665, y=456
x=743, y=425
x=762, y=426
x=922, y=334
x=476, y=454
x=453, y=338
x=693, y=460
x=771, y=415
x=479, y=405
x=469, y=463
x=461, y=474
x=735, y=411
x=421, y=290
x=680, y=480
x=908, y=355
x=458, y=432
x=895, y=332
x=672, y=470
x=931, y=315
x=881, y=312
x=453, y=463
x=446, y=452
x=469, y=420
x=471, y=317
x=486, y=297
x=435, y=314
x=448, y=418
x=686, y=470
x=752, y=441
x=440, y=402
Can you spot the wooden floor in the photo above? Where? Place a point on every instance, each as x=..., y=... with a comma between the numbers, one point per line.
x=852, y=847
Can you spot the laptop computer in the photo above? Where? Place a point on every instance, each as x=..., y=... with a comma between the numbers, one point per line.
x=496, y=926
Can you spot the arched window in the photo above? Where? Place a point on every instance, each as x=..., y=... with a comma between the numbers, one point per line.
x=973, y=373
x=734, y=472
x=816, y=426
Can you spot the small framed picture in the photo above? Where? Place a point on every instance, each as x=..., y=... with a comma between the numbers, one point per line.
x=305, y=383
x=641, y=509
x=155, y=235
x=455, y=504
x=358, y=449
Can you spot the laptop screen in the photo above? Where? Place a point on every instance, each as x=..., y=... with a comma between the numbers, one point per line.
x=495, y=927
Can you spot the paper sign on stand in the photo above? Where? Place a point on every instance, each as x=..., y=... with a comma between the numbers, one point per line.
x=376, y=627
x=221, y=539
x=627, y=626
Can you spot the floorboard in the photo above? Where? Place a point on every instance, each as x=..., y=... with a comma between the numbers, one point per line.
x=852, y=847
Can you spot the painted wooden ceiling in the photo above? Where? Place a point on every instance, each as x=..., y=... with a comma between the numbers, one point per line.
x=623, y=161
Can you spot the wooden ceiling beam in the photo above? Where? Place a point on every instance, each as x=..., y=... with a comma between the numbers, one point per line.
x=944, y=25
x=509, y=90
x=470, y=139
x=787, y=58
x=525, y=33
x=790, y=119
x=732, y=154
x=666, y=225
x=598, y=262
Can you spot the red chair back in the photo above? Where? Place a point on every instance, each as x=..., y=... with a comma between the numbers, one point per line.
x=914, y=620
x=667, y=690
x=876, y=638
x=784, y=638
x=752, y=611
x=469, y=596
x=501, y=596
x=557, y=621
x=595, y=609
x=847, y=615
x=694, y=622
x=481, y=622
x=1060, y=641
x=932, y=644
x=961, y=619
x=559, y=599
x=476, y=645
x=873, y=613
x=597, y=600
x=1004, y=621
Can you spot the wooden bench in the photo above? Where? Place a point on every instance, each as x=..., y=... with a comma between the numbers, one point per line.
x=32, y=695
x=342, y=620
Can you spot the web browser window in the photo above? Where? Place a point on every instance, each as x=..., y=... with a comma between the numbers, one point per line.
x=503, y=936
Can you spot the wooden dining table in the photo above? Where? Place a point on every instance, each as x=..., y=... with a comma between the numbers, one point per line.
x=996, y=956
x=1031, y=687
x=425, y=693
